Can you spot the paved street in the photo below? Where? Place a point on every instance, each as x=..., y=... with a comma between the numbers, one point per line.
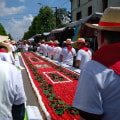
x=31, y=98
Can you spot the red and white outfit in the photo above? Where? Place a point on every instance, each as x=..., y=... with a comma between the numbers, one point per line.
x=56, y=51
x=84, y=55
x=25, y=47
x=98, y=91
x=68, y=54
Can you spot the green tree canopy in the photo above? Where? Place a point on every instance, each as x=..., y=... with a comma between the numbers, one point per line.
x=2, y=30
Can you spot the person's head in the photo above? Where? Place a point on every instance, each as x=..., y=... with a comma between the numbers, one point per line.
x=108, y=27
x=80, y=42
x=68, y=42
x=50, y=42
x=56, y=43
x=38, y=44
x=5, y=47
x=63, y=44
x=43, y=41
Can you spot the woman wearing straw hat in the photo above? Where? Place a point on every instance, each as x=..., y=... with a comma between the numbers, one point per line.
x=83, y=55
x=98, y=92
x=68, y=53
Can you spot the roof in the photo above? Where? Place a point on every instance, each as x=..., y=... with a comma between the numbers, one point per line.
x=75, y=23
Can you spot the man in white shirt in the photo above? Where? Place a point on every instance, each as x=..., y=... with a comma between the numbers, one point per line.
x=43, y=48
x=50, y=49
x=83, y=54
x=68, y=53
x=25, y=46
x=56, y=51
x=98, y=91
x=12, y=95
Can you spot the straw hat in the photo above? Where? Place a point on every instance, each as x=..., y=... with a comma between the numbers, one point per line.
x=6, y=46
x=81, y=40
x=110, y=20
x=42, y=41
x=68, y=41
x=50, y=42
x=56, y=42
x=12, y=42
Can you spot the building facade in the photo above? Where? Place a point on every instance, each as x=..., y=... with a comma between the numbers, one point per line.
x=83, y=8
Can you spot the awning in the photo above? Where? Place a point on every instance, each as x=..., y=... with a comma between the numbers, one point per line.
x=75, y=23
x=58, y=30
x=46, y=33
x=31, y=39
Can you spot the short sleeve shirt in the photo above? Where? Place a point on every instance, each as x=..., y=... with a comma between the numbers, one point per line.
x=98, y=91
x=11, y=90
x=56, y=53
x=83, y=56
x=68, y=56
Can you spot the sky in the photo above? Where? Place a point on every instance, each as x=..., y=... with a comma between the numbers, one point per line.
x=16, y=15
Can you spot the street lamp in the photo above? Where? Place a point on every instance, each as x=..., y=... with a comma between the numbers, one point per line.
x=56, y=14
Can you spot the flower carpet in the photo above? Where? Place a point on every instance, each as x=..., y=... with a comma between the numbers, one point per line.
x=56, y=86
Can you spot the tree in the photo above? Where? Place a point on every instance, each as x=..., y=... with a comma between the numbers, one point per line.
x=2, y=30
x=43, y=22
x=63, y=17
x=10, y=37
x=46, y=20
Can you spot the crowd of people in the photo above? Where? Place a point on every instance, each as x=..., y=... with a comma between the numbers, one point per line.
x=98, y=93
x=66, y=53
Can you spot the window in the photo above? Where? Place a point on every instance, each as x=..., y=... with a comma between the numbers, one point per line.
x=105, y=4
x=89, y=10
x=78, y=16
x=78, y=3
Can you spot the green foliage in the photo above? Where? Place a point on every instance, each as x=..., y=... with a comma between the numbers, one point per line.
x=43, y=22
x=2, y=30
x=10, y=37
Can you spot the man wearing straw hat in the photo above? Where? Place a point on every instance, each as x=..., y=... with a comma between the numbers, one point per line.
x=43, y=47
x=98, y=92
x=12, y=95
x=83, y=54
x=68, y=53
x=56, y=51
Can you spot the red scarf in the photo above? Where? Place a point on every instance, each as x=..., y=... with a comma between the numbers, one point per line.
x=84, y=48
x=69, y=48
x=109, y=56
x=1, y=50
x=51, y=45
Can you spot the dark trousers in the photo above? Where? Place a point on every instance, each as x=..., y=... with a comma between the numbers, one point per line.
x=18, y=112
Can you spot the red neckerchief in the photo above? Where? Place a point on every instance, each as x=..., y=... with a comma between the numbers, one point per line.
x=51, y=45
x=69, y=48
x=84, y=48
x=1, y=50
x=56, y=45
x=109, y=56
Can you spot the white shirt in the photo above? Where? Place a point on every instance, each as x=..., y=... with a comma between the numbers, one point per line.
x=49, y=51
x=56, y=51
x=12, y=48
x=5, y=57
x=25, y=48
x=43, y=49
x=83, y=56
x=68, y=56
x=11, y=90
x=98, y=91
